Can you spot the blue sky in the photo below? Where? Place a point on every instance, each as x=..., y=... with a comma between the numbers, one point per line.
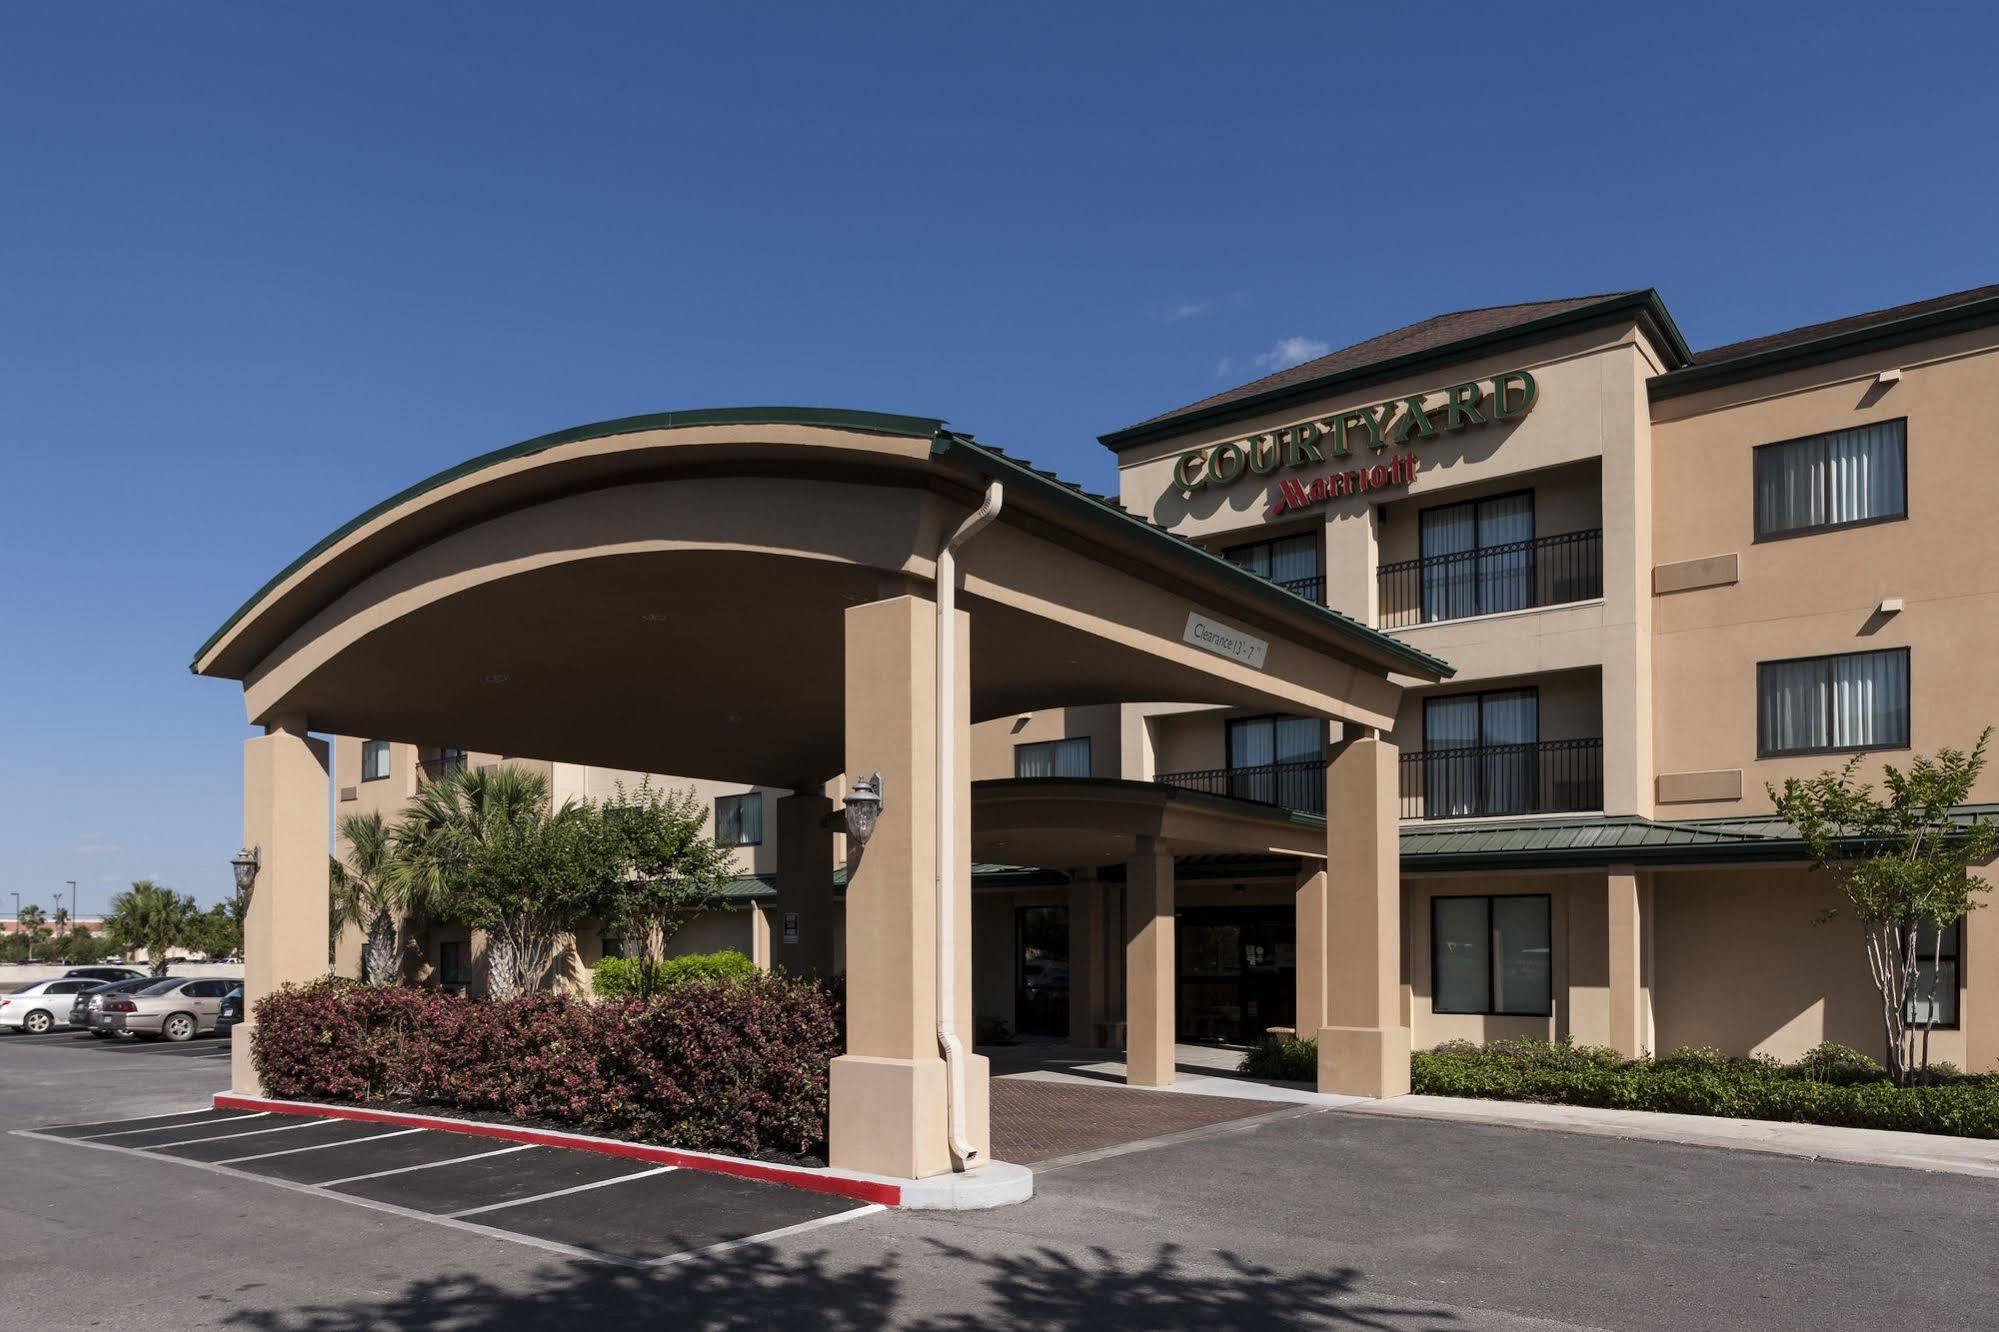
x=262, y=266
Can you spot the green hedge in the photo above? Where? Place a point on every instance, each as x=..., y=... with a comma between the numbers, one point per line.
x=1287, y=1060
x=1829, y=1085
x=621, y=978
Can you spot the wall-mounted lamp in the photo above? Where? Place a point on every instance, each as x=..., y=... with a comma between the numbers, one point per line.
x=246, y=863
x=863, y=808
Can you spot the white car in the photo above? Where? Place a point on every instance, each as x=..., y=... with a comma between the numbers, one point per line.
x=36, y=1008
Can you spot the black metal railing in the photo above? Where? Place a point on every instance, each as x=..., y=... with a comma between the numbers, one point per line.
x=1520, y=575
x=1299, y=785
x=1488, y=781
x=441, y=767
x=1312, y=589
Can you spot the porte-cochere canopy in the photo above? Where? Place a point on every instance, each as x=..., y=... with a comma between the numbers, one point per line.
x=751, y=595
x=665, y=593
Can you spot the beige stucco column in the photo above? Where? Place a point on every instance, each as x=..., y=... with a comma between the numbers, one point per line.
x=1626, y=917
x=1086, y=961
x=1364, y=1046
x=1309, y=902
x=888, y=1091
x=804, y=886
x=1148, y=965
x=284, y=928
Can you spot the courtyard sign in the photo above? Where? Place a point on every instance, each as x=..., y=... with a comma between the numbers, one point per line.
x=1421, y=416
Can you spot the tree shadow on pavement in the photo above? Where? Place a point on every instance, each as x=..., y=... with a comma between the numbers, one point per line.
x=758, y=1286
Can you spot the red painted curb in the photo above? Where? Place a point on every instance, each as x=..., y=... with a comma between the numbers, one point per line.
x=797, y=1177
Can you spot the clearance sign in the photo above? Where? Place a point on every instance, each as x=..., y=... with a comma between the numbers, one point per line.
x=1422, y=416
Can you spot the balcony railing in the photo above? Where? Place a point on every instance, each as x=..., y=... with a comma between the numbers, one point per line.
x=1312, y=589
x=1520, y=575
x=1299, y=786
x=1489, y=781
x=441, y=767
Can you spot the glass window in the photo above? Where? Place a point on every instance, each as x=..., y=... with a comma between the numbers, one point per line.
x=1835, y=480
x=1278, y=760
x=1481, y=753
x=167, y=986
x=1053, y=758
x=1813, y=705
x=1478, y=557
x=739, y=819
x=1292, y=562
x=1936, y=975
x=1492, y=955
x=374, y=760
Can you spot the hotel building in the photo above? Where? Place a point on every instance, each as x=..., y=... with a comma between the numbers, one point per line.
x=1662, y=580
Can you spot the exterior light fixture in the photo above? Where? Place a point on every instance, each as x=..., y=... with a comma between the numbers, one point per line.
x=246, y=863
x=863, y=808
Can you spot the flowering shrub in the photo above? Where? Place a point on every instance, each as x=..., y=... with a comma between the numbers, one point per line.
x=622, y=977
x=735, y=1066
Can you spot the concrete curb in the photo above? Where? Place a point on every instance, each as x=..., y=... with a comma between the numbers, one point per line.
x=1817, y=1142
x=994, y=1185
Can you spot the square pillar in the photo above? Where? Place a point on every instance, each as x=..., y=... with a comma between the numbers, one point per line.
x=1626, y=918
x=1086, y=961
x=1148, y=965
x=888, y=1111
x=804, y=886
x=1364, y=1046
x=285, y=801
x=1308, y=899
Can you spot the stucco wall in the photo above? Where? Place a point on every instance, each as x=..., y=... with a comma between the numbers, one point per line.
x=993, y=742
x=1818, y=594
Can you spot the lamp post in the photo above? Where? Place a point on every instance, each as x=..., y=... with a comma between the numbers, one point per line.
x=75, y=905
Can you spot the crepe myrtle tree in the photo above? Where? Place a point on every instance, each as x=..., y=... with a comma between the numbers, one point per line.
x=365, y=892
x=487, y=849
x=1902, y=865
x=662, y=867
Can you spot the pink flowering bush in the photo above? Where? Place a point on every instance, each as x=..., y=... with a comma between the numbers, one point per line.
x=735, y=1066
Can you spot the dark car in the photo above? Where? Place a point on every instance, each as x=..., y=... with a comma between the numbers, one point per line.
x=87, y=1013
x=231, y=1011
x=103, y=973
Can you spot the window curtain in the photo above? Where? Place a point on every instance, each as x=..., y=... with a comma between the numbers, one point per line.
x=1449, y=568
x=1450, y=780
x=1794, y=706
x=1301, y=775
x=1255, y=558
x=1072, y=757
x=1510, y=726
x=1033, y=761
x=1522, y=980
x=1252, y=746
x=1294, y=558
x=1505, y=577
x=1870, y=699
x=1848, y=476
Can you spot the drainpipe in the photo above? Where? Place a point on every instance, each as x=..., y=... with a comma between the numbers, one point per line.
x=962, y=1151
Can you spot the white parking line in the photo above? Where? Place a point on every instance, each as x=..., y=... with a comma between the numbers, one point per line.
x=853, y=1214
x=221, y=1137
x=317, y=1147
x=563, y=1193
x=427, y=1165
x=126, y=1133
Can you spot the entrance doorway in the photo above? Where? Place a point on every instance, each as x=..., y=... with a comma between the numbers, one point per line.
x=1238, y=972
x=1041, y=971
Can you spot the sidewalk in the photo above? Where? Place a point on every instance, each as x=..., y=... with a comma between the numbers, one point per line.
x=1882, y=1147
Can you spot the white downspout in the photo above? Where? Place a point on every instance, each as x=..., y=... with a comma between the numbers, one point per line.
x=962, y=1151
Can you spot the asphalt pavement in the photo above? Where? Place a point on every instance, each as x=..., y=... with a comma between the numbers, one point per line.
x=1316, y=1220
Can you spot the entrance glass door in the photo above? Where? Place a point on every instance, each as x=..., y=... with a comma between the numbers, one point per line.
x=1238, y=972
x=1041, y=971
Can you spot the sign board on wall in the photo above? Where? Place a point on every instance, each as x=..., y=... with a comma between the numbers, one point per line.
x=791, y=927
x=1417, y=418
x=1223, y=641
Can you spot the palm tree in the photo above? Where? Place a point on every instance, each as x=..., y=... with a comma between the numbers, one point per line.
x=152, y=919
x=364, y=894
x=59, y=924
x=30, y=918
x=484, y=848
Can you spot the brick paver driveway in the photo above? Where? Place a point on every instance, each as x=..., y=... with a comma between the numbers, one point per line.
x=1035, y=1119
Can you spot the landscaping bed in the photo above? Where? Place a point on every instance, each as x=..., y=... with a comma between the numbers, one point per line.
x=729, y=1066
x=1831, y=1084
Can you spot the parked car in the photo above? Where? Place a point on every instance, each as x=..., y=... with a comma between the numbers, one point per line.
x=177, y=1008
x=232, y=1010
x=87, y=1012
x=103, y=973
x=39, y=1006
